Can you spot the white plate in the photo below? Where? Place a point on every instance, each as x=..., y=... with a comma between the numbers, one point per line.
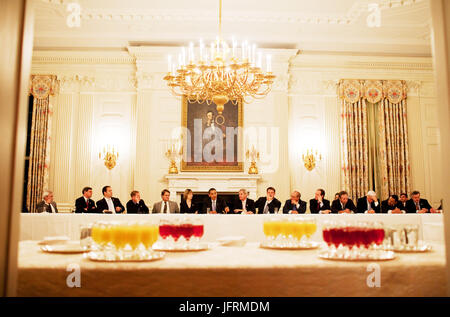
x=309, y=246
x=71, y=247
x=158, y=246
x=409, y=249
x=100, y=256
x=235, y=241
x=380, y=256
x=54, y=240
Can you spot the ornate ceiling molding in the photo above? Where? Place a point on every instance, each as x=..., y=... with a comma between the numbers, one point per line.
x=359, y=8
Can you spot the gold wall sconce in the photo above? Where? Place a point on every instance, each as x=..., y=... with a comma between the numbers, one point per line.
x=173, y=152
x=311, y=158
x=253, y=156
x=110, y=156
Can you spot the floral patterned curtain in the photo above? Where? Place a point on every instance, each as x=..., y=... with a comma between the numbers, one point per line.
x=41, y=87
x=393, y=156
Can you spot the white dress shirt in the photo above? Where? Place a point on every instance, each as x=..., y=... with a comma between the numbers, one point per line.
x=110, y=204
x=162, y=207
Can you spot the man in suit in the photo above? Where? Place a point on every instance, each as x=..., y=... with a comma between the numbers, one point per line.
x=319, y=205
x=294, y=205
x=47, y=204
x=418, y=205
x=109, y=204
x=136, y=205
x=214, y=204
x=85, y=204
x=244, y=205
x=343, y=204
x=368, y=204
x=165, y=206
x=269, y=203
x=391, y=205
x=402, y=202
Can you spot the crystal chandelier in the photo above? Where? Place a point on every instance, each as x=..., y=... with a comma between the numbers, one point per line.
x=221, y=73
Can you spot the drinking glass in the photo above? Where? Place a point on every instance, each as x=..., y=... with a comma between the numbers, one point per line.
x=86, y=236
x=310, y=228
x=165, y=231
x=186, y=229
x=198, y=230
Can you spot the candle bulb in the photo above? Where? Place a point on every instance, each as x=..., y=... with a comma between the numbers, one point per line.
x=234, y=47
x=183, y=56
x=191, y=53
x=169, y=63
x=201, y=50
x=269, y=63
x=259, y=63
x=254, y=54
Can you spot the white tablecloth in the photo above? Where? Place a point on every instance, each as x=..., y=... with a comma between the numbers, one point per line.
x=38, y=226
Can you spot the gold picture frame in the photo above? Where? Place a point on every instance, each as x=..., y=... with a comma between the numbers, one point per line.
x=230, y=111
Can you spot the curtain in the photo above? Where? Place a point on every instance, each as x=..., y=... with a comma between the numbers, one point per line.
x=374, y=137
x=42, y=86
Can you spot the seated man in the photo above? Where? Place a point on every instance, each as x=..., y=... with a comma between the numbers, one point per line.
x=319, y=205
x=165, y=206
x=214, y=204
x=136, y=205
x=418, y=205
x=402, y=202
x=109, y=204
x=294, y=205
x=268, y=204
x=47, y=204
x=343, y=204
x=368, y=204
x=391, y=205
x=244, y=205
x=85, y=204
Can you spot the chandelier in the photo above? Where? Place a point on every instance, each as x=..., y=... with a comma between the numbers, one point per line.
x=220, y=73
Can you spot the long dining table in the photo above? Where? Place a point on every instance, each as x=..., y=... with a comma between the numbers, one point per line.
x=225, y=271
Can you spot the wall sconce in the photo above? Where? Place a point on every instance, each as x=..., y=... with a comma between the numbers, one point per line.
x=252, y=155
x=311, y=158
x=110, y=156
x=173, y=152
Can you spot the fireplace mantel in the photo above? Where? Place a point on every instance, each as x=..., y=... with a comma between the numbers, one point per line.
x=222, y=182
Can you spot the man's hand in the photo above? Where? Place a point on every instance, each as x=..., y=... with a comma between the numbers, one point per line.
x=423, y=211
x=106, y=211
x=396, y=211
x=346, y=211
x=227, y=210
x=371, y=211
x=118, y=209
x=213, y=212
x=434, y=211
x=295, y=212
x=249, y=212
x=326, y=211
x=236, y=211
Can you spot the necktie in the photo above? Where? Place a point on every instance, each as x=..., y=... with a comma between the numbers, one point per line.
x=87, y=204
x=295, y=207
x=213, y=206
x=417, y=206
x=165, y=207
x=49, y=209
x=266, y=208
x=318, y=206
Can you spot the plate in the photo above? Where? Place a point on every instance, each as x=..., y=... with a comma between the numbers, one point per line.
x=411, y=249
x=380, y=255
x=67, y=248
x=158, y=246
x=54, y=240
x=309, y=246
x=100, y=256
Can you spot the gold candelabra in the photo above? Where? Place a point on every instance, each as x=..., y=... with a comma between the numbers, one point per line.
x=311, y=158
x=173, y=152
x=252, y=155
x=221, y=73
x=109, y=155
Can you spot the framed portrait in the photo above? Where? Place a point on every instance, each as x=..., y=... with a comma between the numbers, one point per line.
x=212, y=141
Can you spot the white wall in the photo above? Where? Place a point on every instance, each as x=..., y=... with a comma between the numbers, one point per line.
x=122, y=94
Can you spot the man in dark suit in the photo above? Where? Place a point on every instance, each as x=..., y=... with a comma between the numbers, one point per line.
x=391, y=205
x=368, y=204
x=269, y=203
x=294, y=205
x=215, y=204
x=402, y=202
x=109, y=204
x=418, y=205
x=47, y=204
x=319, y=205
x=343, y=204
x=244, y=205
x=85, y=204
x=136, y=205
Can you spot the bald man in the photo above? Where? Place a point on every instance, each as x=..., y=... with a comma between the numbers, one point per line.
x=294, y=205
